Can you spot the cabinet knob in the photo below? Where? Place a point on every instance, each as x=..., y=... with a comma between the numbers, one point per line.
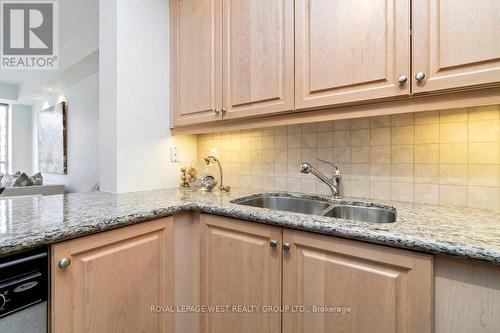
x=64, y=263
x=223, y=110
x=420, y=76
x=217, y=110
x=286, y=246
x=273, y=243
x=402, y=79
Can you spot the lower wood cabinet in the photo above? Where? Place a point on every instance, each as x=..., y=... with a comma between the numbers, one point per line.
x=349, y=286
x=240, y=266
x=380, y=289
x=113, y=279
x=249, y=270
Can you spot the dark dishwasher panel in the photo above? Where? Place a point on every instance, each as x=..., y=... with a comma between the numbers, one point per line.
x=23, y=281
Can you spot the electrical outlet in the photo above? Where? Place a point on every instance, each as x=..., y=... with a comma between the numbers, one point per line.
x=173, y=154
x=213, y=151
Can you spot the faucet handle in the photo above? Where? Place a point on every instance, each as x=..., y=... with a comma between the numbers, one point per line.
x=336, y=169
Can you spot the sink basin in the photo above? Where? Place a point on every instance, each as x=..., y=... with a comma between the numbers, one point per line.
x=363, y=213
x=324, y=207
x=289, y=204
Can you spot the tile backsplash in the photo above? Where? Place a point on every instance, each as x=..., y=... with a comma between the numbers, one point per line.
x=448, y=158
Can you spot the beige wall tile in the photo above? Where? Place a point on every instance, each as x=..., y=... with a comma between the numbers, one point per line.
x=360, y=154
x=342, y=155
x=256, y=142
x=453, y=153
x=453, y=174
x=280, y=141
x=280, y=183
x=453, y=132
x=325, y=126
x=360, y=171
x=281, y=170
x=309, y=128
x=484, y=153
x=484, y=130
x=341, y=125
x=427, y=153
x=402, y=135
x=360, y=137
x=402, y=192
x=426, y=173
x=268, y=155
x=402, y=173
x=308, y=140
x=428, y=133
x=426, y=117
x=324, y=139
x=294, y=184
x=380, y=121
x=342, y=139
x=453, y=195
x=308, y=185
x=453, y=115
x=484, y=197
x=268, y=183
x=380, y=190
x=426, y=194
x=456, y=155
x=380, y=172
x=294, y=129
x=380, y=154
x=281, y=130
x=325, y=154
x=484, y=112
x=268, y=142
x=268, y=131
x=360, y=123
x=380, y=136
x=404, y=119
x=402, y=154
x=360, y=189
x=294, y=141
x=484, y=175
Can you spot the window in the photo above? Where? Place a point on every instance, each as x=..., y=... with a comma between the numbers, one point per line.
x=4, y=135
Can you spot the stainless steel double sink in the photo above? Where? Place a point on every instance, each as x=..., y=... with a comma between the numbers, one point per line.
x=356, y=211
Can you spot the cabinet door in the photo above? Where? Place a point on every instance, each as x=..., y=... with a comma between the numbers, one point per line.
x=456, y=43
x=196, y=64
x=258, y=57
x=114, y=279
x=350, y=51
x=240, y=267
x=386, y=290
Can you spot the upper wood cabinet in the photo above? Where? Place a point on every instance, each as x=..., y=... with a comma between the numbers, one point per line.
x=235, y=56
x=387, y=290
x=348, y=51
x=239, y=266
x=456, y=43
x=196, y=60
x=258, y=57
x=113, y=280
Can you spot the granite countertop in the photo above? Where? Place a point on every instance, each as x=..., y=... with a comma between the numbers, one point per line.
x=31, y=222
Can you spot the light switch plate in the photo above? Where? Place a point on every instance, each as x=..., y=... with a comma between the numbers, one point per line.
x=173, y=154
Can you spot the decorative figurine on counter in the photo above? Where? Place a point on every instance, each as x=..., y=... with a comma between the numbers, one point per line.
x=188, y=176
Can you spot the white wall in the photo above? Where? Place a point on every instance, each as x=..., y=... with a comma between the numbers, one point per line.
x=134, y=121
x=83, y=134
x=8, y=91
x=22, y=139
